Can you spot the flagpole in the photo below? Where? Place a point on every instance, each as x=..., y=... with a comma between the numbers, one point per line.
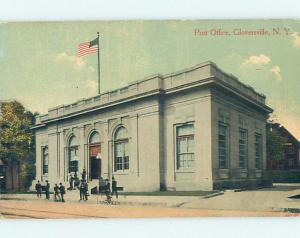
x=98, y=64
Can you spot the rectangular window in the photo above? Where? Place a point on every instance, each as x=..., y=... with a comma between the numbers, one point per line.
x=223, y=145
x=185, y=146
x=121, y=155
x=45, y=160
x=258, y=151
x=243, y=148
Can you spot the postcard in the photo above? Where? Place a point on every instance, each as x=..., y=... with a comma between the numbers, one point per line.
x=161, y=118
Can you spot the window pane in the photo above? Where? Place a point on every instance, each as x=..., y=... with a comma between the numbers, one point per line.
x=182, y=145
x=191, y=145
x=45, y=159
x=258, y=151
x=223, y=145
x=121, y=155
x=185, y=130
x=95, y=138
x=121, y=133
x=185, y=146
x=73, y=141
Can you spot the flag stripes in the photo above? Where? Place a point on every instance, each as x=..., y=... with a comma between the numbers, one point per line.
x=87, y=48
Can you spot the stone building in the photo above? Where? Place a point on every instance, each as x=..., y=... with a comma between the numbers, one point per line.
x=196, y=129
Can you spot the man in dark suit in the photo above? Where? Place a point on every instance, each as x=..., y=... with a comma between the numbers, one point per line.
x=114, y=187
x=38, y=188
x=56, y=193
x=86, y=190
x=47, y=190
x=62, y=191
x=81, y=190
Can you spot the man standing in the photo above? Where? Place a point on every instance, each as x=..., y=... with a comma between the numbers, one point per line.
x=81, y=189
x=76, y=181
x=114, y=187
x=62, y=191
x=86, y=190
x=38, y=188
x=71, y=181
x=47, y=190
x=56, y=193
x=107, y=191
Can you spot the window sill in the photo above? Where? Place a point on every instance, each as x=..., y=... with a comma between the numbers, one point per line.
x=185, y=171
x=126, y=172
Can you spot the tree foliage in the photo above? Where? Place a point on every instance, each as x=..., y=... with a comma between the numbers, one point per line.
x=16, y=137
x=275, y=146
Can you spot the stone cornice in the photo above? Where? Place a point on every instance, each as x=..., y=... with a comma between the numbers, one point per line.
x=198, y=76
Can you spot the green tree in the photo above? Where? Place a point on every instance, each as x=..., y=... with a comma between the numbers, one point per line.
x=17, y=139
x=275, y=147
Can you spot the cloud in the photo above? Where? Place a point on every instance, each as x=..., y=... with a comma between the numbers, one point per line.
x=92, y=85
x=276, y=70
x=79, y=63
x=261, y=59
x=296, y=39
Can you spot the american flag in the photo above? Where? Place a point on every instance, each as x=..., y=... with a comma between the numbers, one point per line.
x=87, y=48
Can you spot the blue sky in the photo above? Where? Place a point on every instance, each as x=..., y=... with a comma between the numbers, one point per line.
x=40, y=68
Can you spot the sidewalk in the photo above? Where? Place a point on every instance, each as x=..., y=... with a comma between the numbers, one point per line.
x=73, y=197
x=271, y=199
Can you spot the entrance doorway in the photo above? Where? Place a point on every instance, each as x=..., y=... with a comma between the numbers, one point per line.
x=95, y=161
x=95, y=168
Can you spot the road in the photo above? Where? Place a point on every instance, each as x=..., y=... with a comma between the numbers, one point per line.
x=49, y=209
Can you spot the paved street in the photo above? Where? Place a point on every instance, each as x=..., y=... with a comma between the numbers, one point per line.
x=42, y=210
x=261, y=202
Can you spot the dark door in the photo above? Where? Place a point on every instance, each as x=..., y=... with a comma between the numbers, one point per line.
x=95, y=168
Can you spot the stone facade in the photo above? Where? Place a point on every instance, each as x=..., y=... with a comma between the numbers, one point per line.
x=162, y=132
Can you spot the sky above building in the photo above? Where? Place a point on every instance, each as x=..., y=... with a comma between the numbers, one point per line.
x=39, y=65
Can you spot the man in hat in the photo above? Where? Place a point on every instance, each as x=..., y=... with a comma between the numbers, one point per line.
x=47, y=190
x=38, y=188
x=62, y=191
x=114, y=187
x=56, y=193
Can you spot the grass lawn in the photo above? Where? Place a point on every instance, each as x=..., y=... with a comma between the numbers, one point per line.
x=168, y=193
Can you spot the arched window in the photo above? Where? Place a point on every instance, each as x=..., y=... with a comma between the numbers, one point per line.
x=121, y=160
x=94, y=138
x=73, y=153
x=94, y=144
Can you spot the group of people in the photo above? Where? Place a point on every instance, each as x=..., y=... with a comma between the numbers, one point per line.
x=59, y=191
x=104, y=187
x=74, y=181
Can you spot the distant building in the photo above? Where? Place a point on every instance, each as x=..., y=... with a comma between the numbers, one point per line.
x=291, y=145
x=196, y=129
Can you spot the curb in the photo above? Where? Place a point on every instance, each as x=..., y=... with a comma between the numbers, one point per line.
x=115, y=202
x=213, y=195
